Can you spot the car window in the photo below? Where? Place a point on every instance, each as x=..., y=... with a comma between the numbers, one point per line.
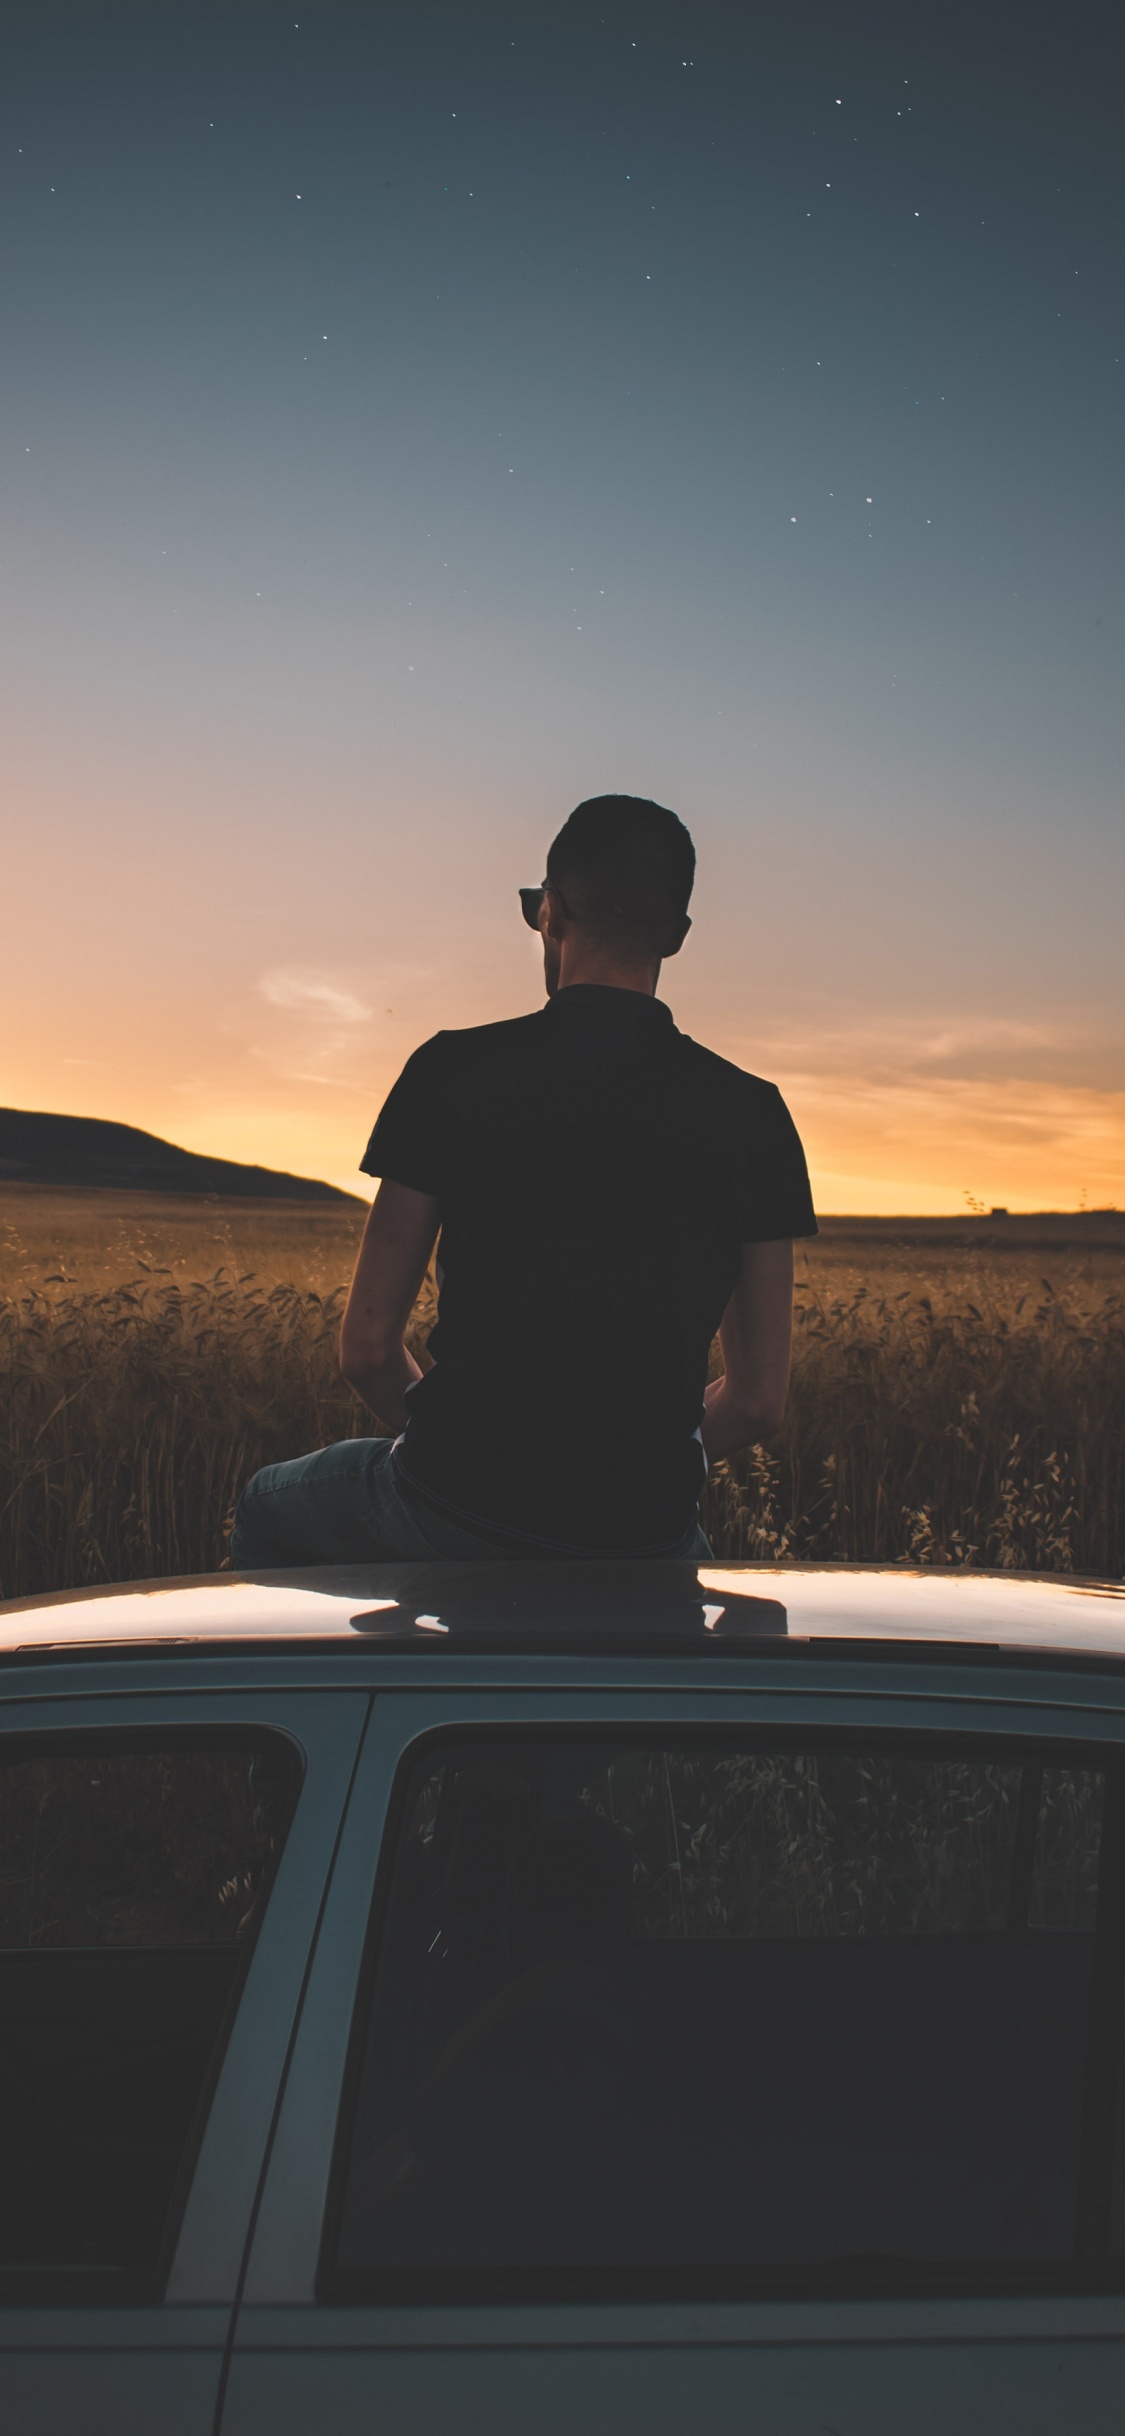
x=132, y=1877
x=655, y=2017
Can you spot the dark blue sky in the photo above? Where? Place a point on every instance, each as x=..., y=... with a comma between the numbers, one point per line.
x=417, y=418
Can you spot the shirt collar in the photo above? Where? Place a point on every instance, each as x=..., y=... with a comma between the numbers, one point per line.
x=593, y=1002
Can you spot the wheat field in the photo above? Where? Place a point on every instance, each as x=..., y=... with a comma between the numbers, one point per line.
x=958, y=1394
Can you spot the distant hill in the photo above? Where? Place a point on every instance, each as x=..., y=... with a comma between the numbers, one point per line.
x=40, y=1149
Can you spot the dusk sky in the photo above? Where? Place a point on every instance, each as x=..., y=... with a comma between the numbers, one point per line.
x=417, y=418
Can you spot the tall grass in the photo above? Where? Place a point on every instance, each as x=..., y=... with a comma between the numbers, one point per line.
x=131, y=1416
x=942, y=1435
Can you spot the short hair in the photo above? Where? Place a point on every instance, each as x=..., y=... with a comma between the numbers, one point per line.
x=625, y=867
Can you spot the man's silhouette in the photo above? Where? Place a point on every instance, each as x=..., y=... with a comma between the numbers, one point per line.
x=607, y=1195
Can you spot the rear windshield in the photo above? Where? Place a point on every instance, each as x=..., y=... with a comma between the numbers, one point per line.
x=655, y=2017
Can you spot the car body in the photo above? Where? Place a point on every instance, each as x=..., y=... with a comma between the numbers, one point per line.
x=900, y=1887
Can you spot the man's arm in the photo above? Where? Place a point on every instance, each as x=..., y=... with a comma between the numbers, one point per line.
x=397, y=1242
x=756, y=1335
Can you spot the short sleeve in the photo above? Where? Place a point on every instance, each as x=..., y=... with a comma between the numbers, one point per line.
x=410, y=1139
x=776, y=1195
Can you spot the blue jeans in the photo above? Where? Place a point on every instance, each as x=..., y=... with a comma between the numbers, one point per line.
x=346, y=1505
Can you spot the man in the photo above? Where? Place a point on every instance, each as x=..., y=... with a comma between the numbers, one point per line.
x=607, y=1194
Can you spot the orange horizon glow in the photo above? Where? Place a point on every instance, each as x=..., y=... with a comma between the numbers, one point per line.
x=880, y=1141
x=268, y=1026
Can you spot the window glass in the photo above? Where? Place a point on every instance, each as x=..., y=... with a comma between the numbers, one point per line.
x=1064, y=1886
x=131, y=1880
x=648, y=2017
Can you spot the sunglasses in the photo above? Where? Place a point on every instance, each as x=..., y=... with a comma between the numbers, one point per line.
x=532, y=898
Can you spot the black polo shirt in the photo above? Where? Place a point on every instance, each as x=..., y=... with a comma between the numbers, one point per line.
x=598, y=1174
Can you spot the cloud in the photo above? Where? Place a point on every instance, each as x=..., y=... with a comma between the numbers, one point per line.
x=902, y=1042
x=995, y=1038
x=1025, y=1144
x=322, y=1026
x=327, y=1082
x=300, y=994
x=904, y=1046
x=913, y=1107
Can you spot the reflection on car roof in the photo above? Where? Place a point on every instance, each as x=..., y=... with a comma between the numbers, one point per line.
x=583, y=1606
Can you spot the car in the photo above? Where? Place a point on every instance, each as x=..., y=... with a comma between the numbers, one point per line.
x=564, y=1998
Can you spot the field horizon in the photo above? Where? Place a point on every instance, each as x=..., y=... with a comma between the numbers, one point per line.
x=958, y=1388
x=59, y=1240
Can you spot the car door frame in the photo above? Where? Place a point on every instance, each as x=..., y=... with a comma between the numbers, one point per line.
x=71, y=2364
x=279, y=2311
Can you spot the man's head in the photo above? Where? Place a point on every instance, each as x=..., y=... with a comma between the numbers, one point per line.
x=619, y=878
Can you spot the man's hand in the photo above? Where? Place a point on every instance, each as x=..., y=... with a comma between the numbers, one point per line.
x=756, y=1335
x=397, y=1242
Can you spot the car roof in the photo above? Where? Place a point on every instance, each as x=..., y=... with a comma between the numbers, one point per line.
x=609, y=1605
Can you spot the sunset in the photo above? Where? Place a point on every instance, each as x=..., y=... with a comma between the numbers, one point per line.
x=562, y=1218
x=419, y=421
